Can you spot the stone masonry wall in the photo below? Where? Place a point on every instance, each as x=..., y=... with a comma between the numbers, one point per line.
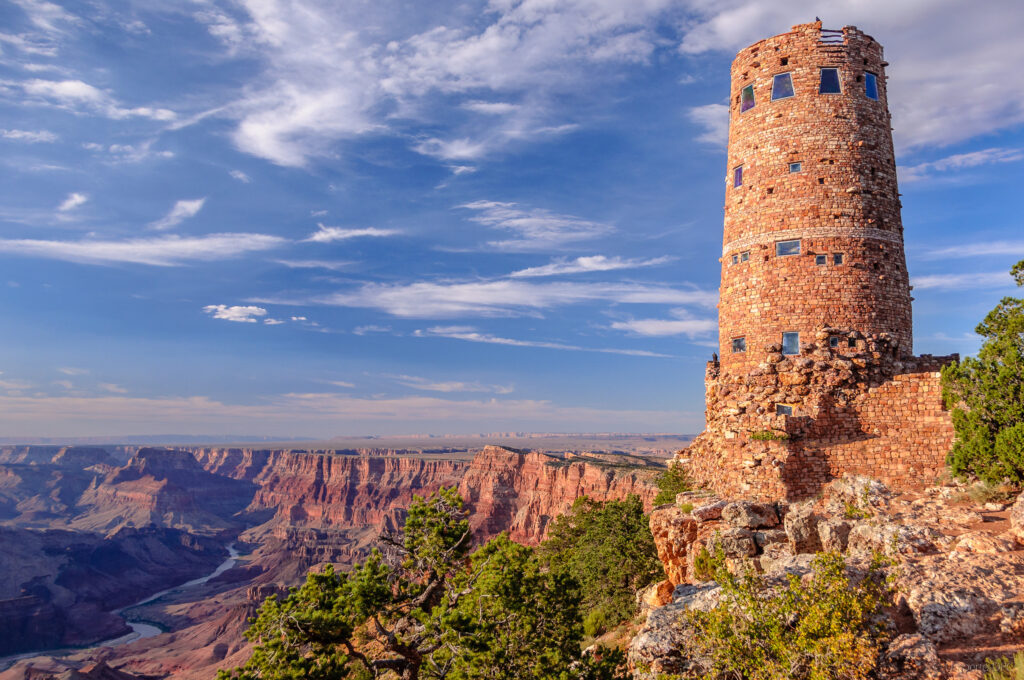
x=866, y=410
x=843, y=201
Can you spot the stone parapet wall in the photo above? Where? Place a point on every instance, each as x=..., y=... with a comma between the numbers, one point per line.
x=867, y=410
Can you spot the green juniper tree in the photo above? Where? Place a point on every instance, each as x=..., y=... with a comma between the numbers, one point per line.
x=986, y=394
x=436, y=612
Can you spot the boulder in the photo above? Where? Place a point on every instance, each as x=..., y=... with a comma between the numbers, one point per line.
x=834, y=534
x=749, y=515
x=911, y=657
x=983, y=542
x=708, y=512
x=661, y=647
x=1017, y=518
x=801, y=527
x=766, y=538
x=736, y=542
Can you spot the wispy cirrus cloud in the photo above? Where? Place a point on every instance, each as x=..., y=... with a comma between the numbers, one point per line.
x=977, y=249
x=236, y=313
x=29, y=136
x=425, y=384
x=713, y=119
x=73, y=200
x=535, y=228
x=163, y=251
x=592, y=263
x=960, y=161
x=436, y=300
x=471, y=334
x=326, y=234
x=77, y=95
x=182, y=210
x=333, y=265
x=689, y=327
x=973, y=281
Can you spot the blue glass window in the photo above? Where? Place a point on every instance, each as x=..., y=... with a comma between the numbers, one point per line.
x=782, y=86
x=747, y=98
x=837, y=258
x=783, y=410
x=739, y=345
x=795, y=167
x=744, y=256
x=833, y=342
x=787, y=247
x=791, y=343
x=737, y=176
x=871, y=86
x=829, y=81
x=820, y=259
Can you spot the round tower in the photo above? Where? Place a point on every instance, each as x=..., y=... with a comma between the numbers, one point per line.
x=813, y=237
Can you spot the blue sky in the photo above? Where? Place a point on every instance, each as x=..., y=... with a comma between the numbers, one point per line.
x=278, y=218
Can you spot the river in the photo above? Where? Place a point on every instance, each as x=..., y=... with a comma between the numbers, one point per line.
x=140, y=629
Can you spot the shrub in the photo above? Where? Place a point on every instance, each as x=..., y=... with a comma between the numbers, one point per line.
x=607, y=547
x=671, y=482
x=686, y=507
x=820, y=629
x=986, y=394
x=768, y=436
x=703, y=565
x=1005, y=668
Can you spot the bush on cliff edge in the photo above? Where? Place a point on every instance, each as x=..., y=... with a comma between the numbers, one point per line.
x=986, y=394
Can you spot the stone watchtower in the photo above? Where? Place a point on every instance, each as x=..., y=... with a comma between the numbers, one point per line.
x=816, y=376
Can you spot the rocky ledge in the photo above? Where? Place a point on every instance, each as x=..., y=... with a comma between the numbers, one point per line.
x=958, y=569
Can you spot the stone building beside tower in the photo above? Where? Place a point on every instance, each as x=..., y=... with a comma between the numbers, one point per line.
x=815, y=376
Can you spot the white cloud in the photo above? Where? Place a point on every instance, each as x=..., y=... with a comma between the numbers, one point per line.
x=129, y=153
x=163, y=251
x=978, y=248
x=593, y=263
x=112, y=387
x=714, y=119
x=663, y=327
x=77, y=95
x=66, y=384
x=452, y=149
x=418, y=383
x=30, y=136
x=430, y=300
x=315, y=264
x=73, y=201
x=14, y=385
x=979, y=280
x=239, y=314
x=182, y=210
x=326, y=234
x=922, y=171
x=299, y=318
x=371, y=328
x=470, y=334
x=340, y=383
x=273, y=322
x=240, y=176
x=493, y=108
x=536, y=228
x=71, y=370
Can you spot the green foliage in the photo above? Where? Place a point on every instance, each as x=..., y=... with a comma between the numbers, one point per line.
x=608, y=548
x=768, y=436
x=703, y=565
x=1005, y=668
x=435, y=611
x=686, y=507
x=986, y=394
x=821, y=629
x=671, y=482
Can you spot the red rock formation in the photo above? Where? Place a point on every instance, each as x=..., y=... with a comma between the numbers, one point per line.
x=521, y=492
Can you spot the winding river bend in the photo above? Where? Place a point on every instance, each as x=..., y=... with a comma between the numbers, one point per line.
x=140, y=629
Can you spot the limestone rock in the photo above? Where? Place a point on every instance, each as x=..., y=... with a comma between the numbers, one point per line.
x=982, y=542
x=911, y=657
x=1017, y=518
x=802, y=529
x=834, y=534
x=660, y=647
x=736, y=542
x=709, y=512
x=750, y=515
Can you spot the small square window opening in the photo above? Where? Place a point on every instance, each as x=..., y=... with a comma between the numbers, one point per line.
x=747, y=98
x=787, y=248
x=837, y=258
x=833, y=342
x=737, y=176
x=851, y=343
x=829, y=82
x=782, y=86
x=784, y=61
x=783, y=410
x=791, y=343
x=871, y=86
x=820, y=259
x=739, y=345
x=744, y=256
x=795, y=167
x=735, y=259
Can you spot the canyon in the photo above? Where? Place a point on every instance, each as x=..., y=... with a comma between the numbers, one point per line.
x=98, y=528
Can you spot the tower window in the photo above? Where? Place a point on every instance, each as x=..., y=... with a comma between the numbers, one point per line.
x=820, y=259
x=787, y=247
x=851, y=343
x=871, y=86
x=735, y=259
x=795, y=167
x=744, y=256
x=783, y=410
x=747, y=98
x=833, y=342
x=829, y=81
x=737, y=176
x=782, y=86
x=739, y=345
x=837, y=258
x=784, y=61
x=791, y=343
